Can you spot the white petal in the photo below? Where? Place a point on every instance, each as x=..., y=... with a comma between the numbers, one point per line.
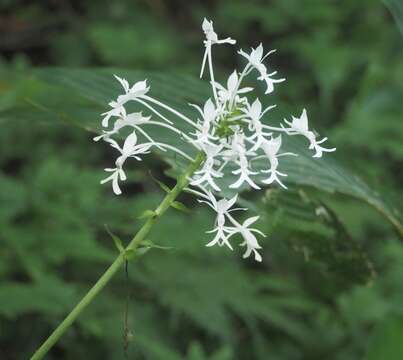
x=250, y=221
x=123, y=82
x=258, y=257
x=130, y=143
x=115, y=186
x=232, y=81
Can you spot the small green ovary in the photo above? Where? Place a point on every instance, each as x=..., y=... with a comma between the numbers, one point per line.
x=225, y=126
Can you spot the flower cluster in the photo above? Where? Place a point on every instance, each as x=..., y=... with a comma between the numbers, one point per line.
x=136, y=122
x=230, y=131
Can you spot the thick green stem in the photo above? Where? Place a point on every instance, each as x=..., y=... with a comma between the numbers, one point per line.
x=110, y=272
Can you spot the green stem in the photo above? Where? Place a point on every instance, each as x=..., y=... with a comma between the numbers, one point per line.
x=181, y=183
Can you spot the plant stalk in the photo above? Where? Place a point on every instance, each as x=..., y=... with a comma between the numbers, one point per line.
x=181, y=183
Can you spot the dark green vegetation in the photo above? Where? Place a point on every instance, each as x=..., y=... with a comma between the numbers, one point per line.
x=330, y=286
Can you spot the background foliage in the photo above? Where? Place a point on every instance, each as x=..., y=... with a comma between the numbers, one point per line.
x=330, y=285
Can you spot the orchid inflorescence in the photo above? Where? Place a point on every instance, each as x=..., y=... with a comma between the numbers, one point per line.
x=229, y=131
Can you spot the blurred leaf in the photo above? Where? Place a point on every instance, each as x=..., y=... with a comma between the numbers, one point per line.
x=13, y=198
x=50, y=295
x=396, y=8
x=159, y=48
x=315, y=231
x=386, y=342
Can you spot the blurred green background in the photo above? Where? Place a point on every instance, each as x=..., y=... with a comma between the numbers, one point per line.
x=330, y=285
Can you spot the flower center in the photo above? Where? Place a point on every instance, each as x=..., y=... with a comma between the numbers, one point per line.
x=227, y=124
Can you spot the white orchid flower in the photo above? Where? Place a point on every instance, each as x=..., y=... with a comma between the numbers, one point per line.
x=244, y=174
x=249, y=238
x=211, y=38
x=255, y=59
x=253, y=115
x=207, y=172
x=133, y=120
x=239, y=152
x=117, y=174
x=226, y=94
x=271, y=148
x=118, y=110
x=299, y=126
x=222, y=207
x=139, y=89
x=208, y=113
x=130, y=149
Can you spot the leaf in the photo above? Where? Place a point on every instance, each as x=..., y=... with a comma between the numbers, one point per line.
x=147, y=214
x=51, y=297
x=180, y=206
x=93, y=89
x=386, y=342
x=396, y=8
x=150, y=244
x=326, y=239
x=116, y=240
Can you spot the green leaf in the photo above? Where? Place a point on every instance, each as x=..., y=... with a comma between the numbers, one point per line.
x=51, y=297
x=396, y=8
x=180, y=206
x=386, y=342
x=116, y=239
x=150, y=244
x=93, y=89
x=326, y=239
x=147, y=214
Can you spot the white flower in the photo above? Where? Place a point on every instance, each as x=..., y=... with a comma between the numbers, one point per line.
x=249, y=238
x=244, y=174
x=211, y=35
x=299, y=126
x=117, y=110
x=231, y=91
x=271, y=148
x=139, y=89
x=130, y=149
x=207, y=172
x=254, y=113
x=211, y=38
x=117, y=174
x=255, y=59
x=133, y=120
x=208, y=114
x=222, y=207
x=239, y=151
